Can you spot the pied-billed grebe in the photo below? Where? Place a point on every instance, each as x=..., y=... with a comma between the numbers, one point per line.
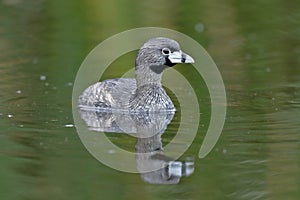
x=145, y=92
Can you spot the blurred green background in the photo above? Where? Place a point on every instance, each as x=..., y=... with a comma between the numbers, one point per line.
x=255, y=44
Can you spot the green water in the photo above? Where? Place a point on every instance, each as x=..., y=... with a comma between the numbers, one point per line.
x=255, y=44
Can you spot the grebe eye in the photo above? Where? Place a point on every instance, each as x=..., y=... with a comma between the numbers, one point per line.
x=166, y=51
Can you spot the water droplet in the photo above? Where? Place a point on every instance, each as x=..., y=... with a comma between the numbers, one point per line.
x=199, y=27
x=9, y=116
x=43, y=77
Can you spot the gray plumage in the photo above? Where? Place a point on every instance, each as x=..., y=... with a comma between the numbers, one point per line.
x=145, y=92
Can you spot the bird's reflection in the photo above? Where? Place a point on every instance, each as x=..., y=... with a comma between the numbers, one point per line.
x=148, y=129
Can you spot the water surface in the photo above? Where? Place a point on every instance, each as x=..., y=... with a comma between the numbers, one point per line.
x=256, y=46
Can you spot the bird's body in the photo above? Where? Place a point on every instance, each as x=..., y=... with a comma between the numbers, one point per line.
x=145, y=92
x=123, y=94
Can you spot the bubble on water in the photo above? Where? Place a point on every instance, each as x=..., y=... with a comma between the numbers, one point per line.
x=69, y=125
x=43, y=77
x=199, y=27
x=9, y=116
x=18, y=91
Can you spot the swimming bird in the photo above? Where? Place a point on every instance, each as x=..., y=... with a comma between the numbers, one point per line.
x=144, y=93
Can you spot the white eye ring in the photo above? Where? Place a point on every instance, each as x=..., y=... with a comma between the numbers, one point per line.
x=166, y=51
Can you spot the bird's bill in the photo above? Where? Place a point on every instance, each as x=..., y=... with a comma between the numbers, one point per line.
x=180, y=57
